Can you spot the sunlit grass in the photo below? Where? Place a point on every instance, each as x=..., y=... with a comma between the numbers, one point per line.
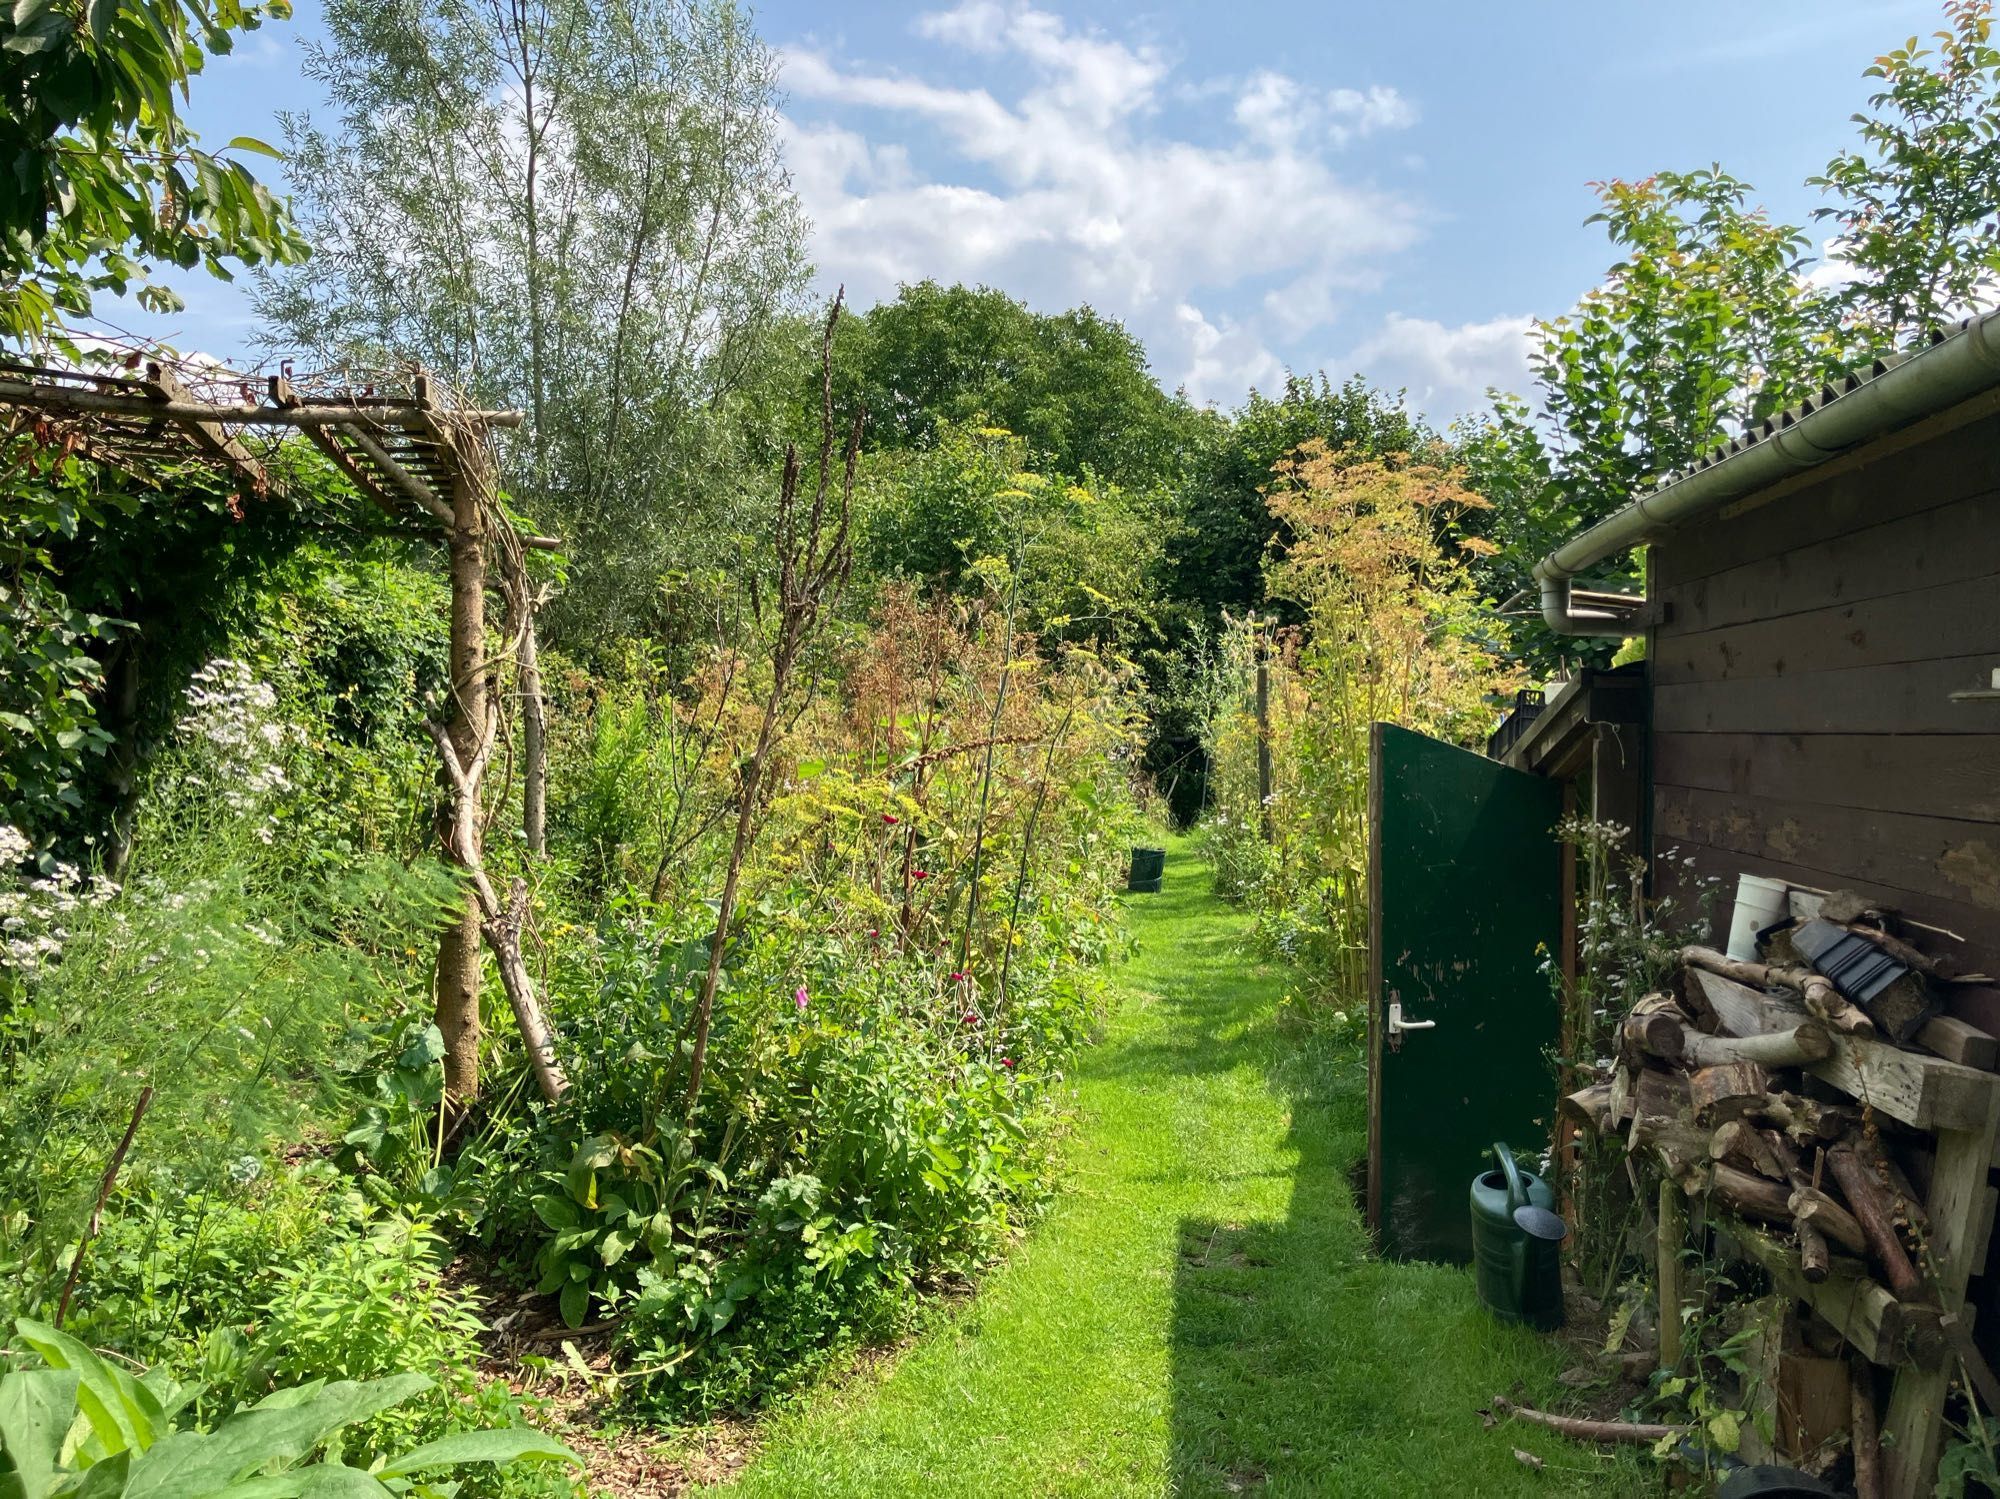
x=1199, y=1314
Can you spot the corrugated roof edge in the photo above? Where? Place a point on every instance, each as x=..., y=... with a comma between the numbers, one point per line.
x=1891, y=392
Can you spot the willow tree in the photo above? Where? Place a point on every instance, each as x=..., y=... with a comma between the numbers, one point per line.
x=575, y=208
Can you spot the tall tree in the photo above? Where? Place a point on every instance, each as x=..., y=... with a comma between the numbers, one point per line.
x=1073, y=385
x=1920, y=218
x=100, y=177
x=574, y=207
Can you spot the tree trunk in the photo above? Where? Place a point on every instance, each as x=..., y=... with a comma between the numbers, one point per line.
x=458, y=964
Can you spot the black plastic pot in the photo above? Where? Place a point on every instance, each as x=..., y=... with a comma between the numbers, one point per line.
x=1149, y=867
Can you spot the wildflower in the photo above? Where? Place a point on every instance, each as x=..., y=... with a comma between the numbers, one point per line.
x=1006, y=1061
x=890, y=819
x=959, y=978
x=920, y=874
x=801, y=998
x=971, y=1018
x=874, y=931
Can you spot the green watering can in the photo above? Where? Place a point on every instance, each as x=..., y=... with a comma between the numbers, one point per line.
x=1516, y=1239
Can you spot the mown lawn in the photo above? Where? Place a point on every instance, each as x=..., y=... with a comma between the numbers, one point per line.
x=1199, y=1315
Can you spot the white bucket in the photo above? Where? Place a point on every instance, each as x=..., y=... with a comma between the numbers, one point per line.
x=1759, y=903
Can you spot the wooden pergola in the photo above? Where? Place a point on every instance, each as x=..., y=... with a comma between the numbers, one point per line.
x=408, y=446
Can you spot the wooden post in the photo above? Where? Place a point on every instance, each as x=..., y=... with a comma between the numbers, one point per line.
x=1916, y=1403
x=1263, y=724
x=459, y=959
x=1672, y=1238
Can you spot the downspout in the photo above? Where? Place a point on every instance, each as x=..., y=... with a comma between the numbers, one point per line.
x=1895, y=391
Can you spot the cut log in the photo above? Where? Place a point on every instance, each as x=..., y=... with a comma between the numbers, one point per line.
x=1589, y=1431
x=1958, y=1041
x=1653, y=1028
x=1659, y=1094
x=1589, y=1108
x=1926, y=1092
x=1865, y=1433
x=1805, y=1042
x=1808, y=1121
x=1906, y=1203
x=1870, y=1204
x=1681, y=1149
x=1763, y=1201
x=1815, y=991
x=1815, y=1263
x=1728, y=1091
x=1741, y=1143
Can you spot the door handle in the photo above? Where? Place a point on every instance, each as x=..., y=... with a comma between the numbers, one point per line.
x=1397, y=1024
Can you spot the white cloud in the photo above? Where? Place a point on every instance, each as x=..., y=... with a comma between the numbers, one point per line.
x=1069, y=189
x=1447, y=371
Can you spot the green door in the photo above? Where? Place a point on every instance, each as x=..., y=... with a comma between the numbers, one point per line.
x=1465, y=885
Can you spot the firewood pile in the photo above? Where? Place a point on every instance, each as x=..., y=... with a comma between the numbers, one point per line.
x=1837, y=1125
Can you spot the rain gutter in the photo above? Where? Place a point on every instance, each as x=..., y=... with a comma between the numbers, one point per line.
x=1892, y=393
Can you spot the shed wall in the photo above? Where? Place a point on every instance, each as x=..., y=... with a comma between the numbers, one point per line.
x=1802, y=722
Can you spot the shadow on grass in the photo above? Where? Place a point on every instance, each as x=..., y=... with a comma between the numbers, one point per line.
x=1301, y=1364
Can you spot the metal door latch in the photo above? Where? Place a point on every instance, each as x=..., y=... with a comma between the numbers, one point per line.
x=1397, y=1024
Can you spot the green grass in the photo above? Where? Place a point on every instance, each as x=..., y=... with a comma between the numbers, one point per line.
x=1199, y=1314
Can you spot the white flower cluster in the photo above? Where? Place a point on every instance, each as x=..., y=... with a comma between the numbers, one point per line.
x=232, y=718
x=33, y=909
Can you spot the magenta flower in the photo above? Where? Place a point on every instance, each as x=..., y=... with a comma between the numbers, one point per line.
x=1006, y=1061
x=970, y=1018
x=920, y=874
x=959, y=978
x=891, y=818
x=801, y=998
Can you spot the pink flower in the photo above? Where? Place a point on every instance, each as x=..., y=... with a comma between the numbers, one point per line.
x=1006, y=1061
x=874, y=931
x=801, y=999
x=959, y=978
x=891, y=818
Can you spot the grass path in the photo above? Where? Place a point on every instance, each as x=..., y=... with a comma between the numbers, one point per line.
x=1199, y=1314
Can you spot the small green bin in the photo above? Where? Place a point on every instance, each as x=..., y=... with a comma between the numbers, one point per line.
x=1149, y=867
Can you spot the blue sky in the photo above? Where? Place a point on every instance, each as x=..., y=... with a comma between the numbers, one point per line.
x=1252, y=187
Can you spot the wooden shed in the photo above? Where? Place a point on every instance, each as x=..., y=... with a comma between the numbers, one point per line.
x=1820, y=706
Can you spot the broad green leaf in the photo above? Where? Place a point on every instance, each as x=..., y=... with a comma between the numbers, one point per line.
x=116, y=1422
x=36, y=1409
x=506, y=1445
x=196, y=1462
x=575, y=1301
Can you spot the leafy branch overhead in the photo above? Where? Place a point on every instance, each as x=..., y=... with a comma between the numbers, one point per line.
x=101, y=180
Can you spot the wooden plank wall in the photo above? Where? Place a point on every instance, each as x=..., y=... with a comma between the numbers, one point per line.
x=1802, y=721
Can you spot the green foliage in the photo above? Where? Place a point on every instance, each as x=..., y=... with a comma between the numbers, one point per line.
x=77, y=1424
x=1394, y=633
x=371, y=1302
x=1704, y=322
x=605, y=238
x=1074, y=385
x=102, y=177
x=1919, y=204
x=967, y=515
x=49, y=676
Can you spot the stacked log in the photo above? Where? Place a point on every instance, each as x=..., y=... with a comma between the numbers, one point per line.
x=1801, y=1113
